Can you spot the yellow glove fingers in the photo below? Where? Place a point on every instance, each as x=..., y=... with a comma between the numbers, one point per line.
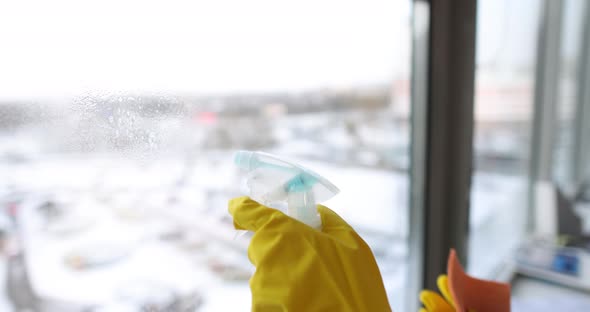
x=331, y=221
x=251, y=215
x=422, y=310
x=443, y=285
x=434, y=302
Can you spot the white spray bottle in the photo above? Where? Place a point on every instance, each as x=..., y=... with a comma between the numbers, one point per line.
x=280, y=184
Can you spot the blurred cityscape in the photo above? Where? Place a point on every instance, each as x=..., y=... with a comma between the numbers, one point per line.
x=368, y=127
x=331, y=123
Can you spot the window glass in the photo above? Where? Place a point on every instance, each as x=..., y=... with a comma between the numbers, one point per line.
x=505, y=71
x=118, y=121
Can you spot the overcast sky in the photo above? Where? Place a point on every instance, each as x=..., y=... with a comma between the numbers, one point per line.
x=66, y=47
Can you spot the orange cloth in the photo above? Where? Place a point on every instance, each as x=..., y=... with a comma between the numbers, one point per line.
x=475, y=294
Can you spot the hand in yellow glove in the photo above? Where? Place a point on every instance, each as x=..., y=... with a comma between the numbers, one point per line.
x=299, y=268
x=433, y=302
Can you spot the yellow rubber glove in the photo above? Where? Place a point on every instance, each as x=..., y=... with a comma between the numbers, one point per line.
x=433, y=302
x=299, y=268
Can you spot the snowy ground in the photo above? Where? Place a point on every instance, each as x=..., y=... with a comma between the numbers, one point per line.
x=373, y=200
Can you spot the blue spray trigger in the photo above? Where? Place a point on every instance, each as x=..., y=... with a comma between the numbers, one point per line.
x=302, y=182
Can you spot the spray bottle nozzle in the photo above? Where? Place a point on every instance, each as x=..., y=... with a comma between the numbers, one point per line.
x=273, y=181
x=244, y=160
